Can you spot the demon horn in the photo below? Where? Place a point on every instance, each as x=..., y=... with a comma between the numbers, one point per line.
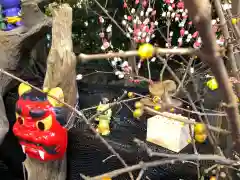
x=23, y=88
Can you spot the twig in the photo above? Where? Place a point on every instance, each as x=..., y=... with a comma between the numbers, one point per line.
x=125, y=54
x=110, y=17
x=181, y=157
x=110, y=148
x=194, y=148
x=140, y=174
x=200, y=12
x=211, y=136
x=109, y=157
x=226, y=35
x=149, y=70
x=185, y=74
x=110, y=106
x=122, y=101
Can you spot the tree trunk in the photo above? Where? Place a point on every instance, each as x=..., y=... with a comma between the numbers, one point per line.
x=60, y=72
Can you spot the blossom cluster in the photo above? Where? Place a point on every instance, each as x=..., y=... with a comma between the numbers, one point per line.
x=175, y=12
x=140, y=22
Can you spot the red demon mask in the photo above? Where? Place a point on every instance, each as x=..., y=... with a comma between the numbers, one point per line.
x=38, y=126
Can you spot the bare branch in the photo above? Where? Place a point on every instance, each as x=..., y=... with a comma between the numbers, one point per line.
x=178, y=157
x=200, y=12
x=158, y=51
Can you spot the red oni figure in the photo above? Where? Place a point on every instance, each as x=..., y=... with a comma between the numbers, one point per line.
x=38, y=124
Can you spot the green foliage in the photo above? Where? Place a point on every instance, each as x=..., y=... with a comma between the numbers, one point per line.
x=47, y=11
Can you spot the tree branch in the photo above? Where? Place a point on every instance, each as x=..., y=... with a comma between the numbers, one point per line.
x=158, y=51
x=200, y=12
x=174, y=159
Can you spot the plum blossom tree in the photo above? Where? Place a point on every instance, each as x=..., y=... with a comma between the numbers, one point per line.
x=140, y=24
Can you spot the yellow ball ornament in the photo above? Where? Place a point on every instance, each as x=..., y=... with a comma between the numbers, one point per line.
x=172, y=110
x=212, y=84
x=137, y=113
x=213, y=178
x=138, y=104
x=234, y=21
x=156, y=99
x=130, y=94
x=199, y=128
x=200, y=138
x=157, y=107
x=146, y=51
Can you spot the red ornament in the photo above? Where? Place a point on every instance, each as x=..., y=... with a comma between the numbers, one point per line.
x=38, y=127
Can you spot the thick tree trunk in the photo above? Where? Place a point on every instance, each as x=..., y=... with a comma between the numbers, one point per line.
x=14, y=46
x=61, y=72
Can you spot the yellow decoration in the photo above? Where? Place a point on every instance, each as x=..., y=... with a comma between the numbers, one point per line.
x=146, y=51
x=156, y=99
x=212, y=84
x=58, y=94
x=234, y=21
x=199, y=128
x=157, y=107
x=137, y=113
x=13, y=19
x=130, y=94
x=172, y=110
x=106, y=178
x=200, y=138
x=103, y=128
x=213, y=178
x=44, y=124
x=23, y=88
x=138, y=104
x=45, y=89
x=189, y=140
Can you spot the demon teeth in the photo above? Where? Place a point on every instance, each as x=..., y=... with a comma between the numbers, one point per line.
x=23, y=149
x=41, y=154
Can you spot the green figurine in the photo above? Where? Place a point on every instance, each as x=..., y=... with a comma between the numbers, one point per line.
x=2, y=23
x=104, y=119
